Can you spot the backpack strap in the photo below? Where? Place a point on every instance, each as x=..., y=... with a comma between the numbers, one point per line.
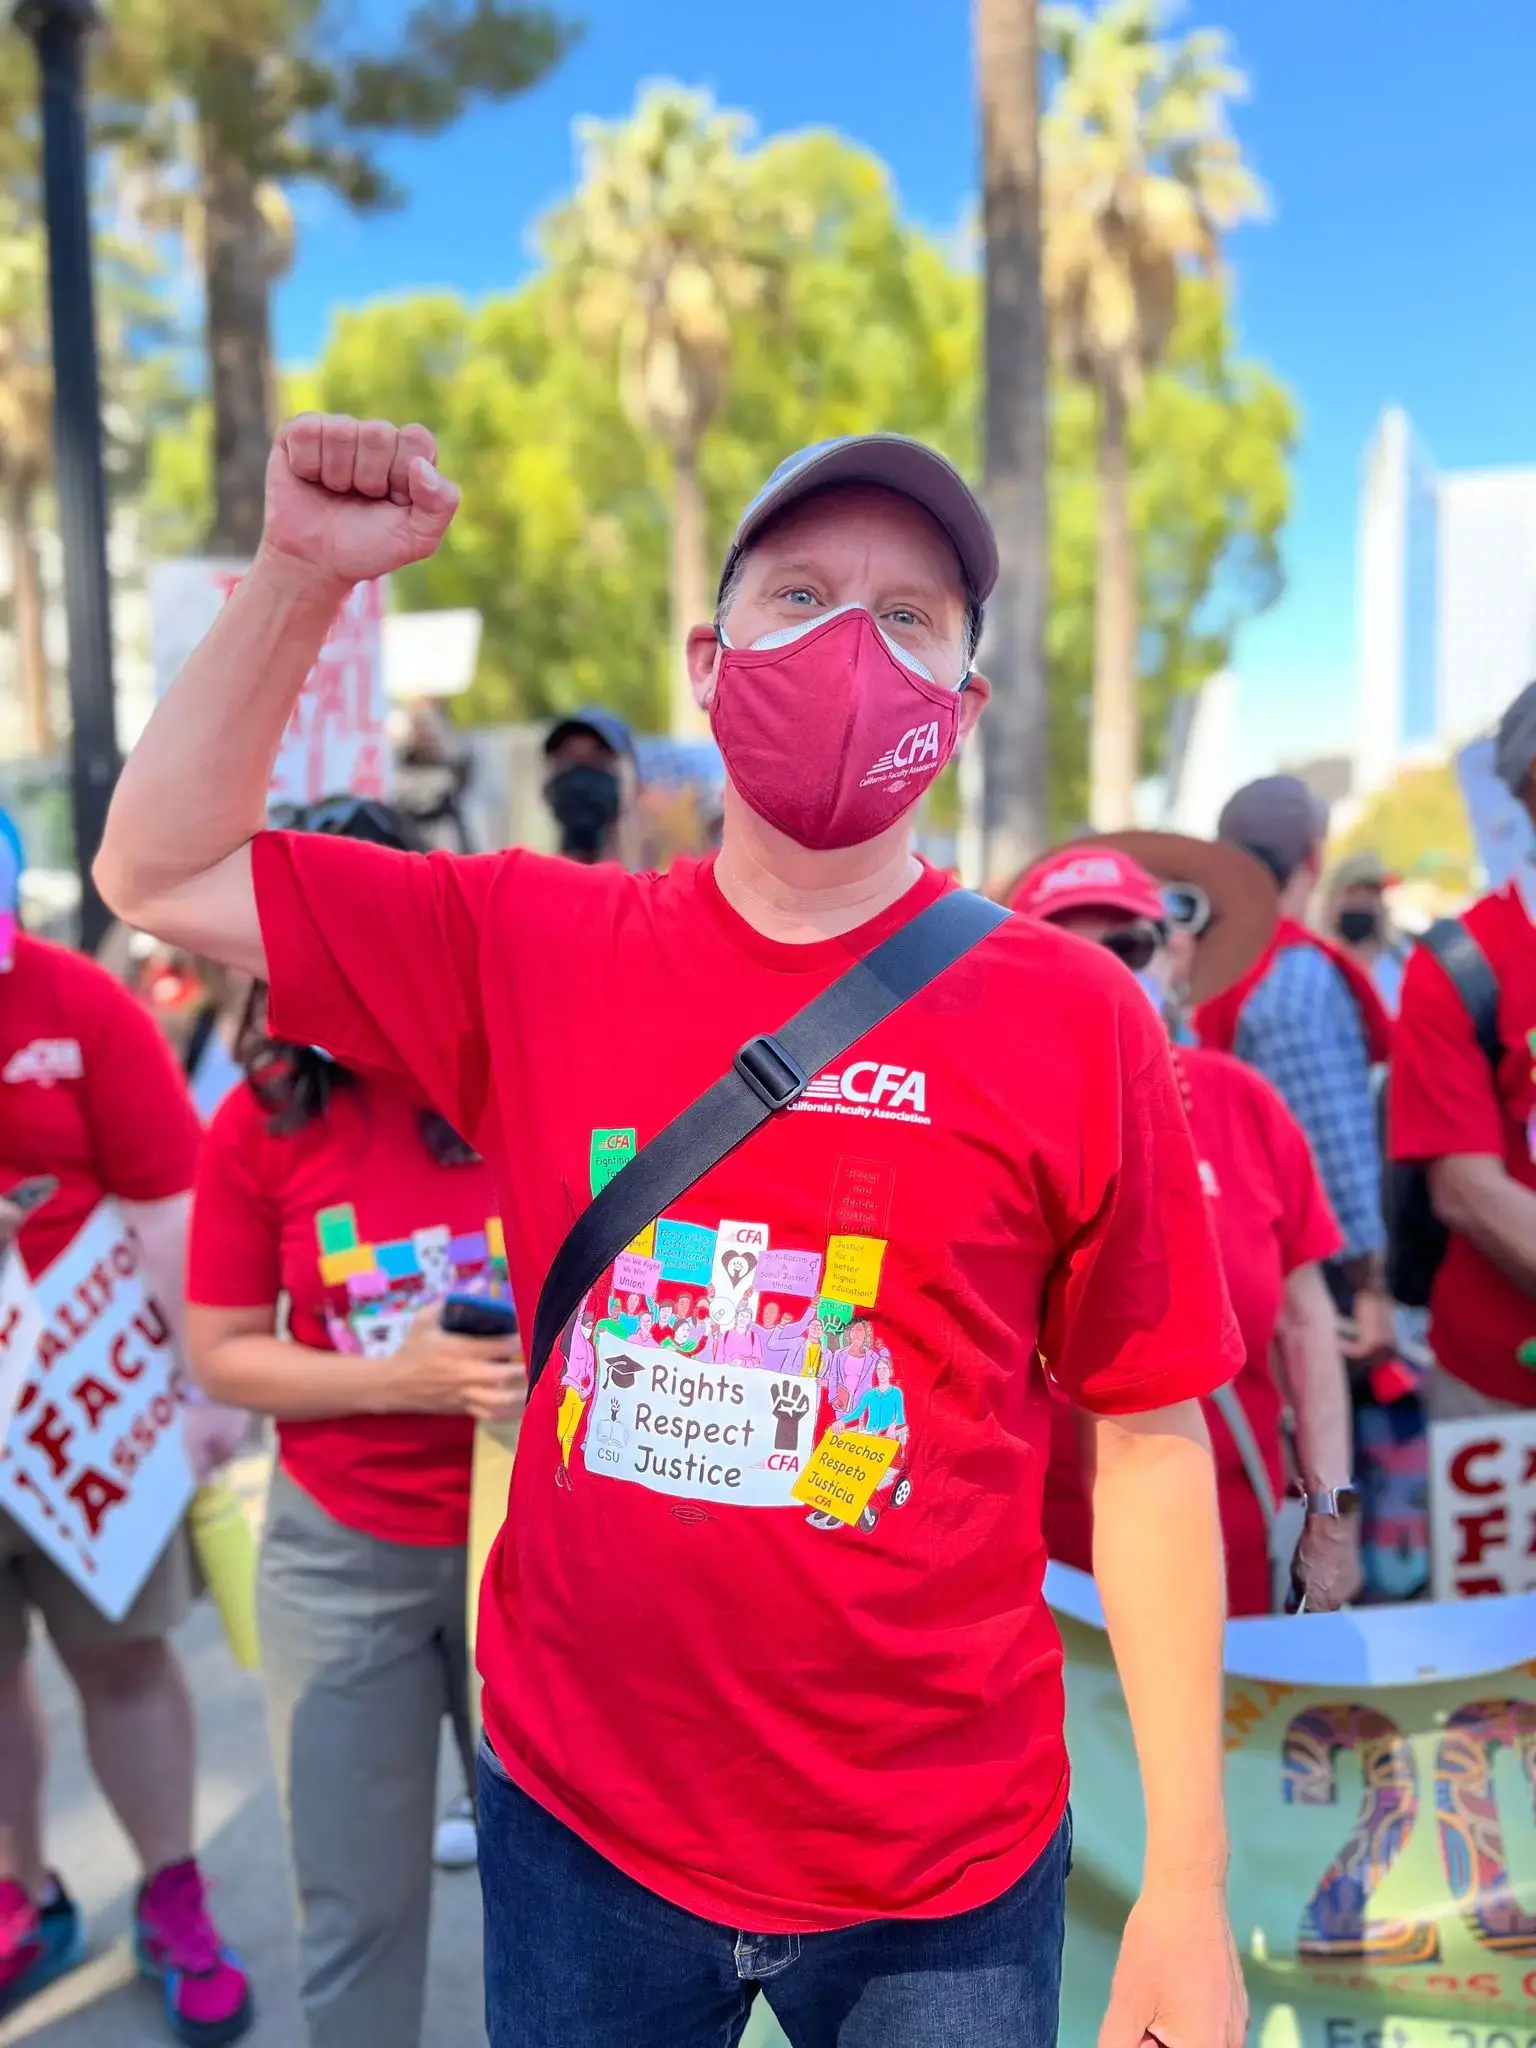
x=1466, y=965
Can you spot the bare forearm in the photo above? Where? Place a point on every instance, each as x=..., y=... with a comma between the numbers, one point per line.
x=293, y=1382
x=193, y=792
x=1476, y=1198
x=1158, y=1560
x=1316, y=1381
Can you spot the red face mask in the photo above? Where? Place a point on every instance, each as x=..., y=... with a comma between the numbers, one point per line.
x=831, y=734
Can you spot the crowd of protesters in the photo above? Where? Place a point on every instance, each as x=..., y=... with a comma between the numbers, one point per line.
x=406, y=1063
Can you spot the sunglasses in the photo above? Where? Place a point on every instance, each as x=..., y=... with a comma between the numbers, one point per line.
x=1135, y=945
x=1188, y=909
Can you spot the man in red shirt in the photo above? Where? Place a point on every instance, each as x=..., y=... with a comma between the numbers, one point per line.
x=1473, y=1125
x=729, y=1747
x=91, y=1097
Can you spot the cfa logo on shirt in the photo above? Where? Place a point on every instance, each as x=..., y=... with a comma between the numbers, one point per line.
x=918, y=745
x=45, y=1061
x=868, y=1088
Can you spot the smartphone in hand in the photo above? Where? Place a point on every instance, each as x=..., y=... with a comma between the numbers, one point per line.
x=28, y=1195
x=479, y=1315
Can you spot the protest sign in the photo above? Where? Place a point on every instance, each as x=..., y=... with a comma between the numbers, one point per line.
x=21, y=1325
x=728, y=1433
x=1501, y=829
x=94, y=1469
x=1482, y=1506
x=336, y=738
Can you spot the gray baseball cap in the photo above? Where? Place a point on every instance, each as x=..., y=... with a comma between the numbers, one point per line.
x=1515, y=749
x=1278, y=820
x=606, y=726
x=899, y=464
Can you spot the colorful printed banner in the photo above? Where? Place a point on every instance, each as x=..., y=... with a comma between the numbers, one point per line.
x=1482, y=1506
x=94, y=1469
x=1384, y=1862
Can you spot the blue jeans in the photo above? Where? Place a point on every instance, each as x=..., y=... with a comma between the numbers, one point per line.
x=575, y=1952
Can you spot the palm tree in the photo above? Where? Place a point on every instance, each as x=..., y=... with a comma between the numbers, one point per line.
x=26, y=418
x=1141, y=178
x=1015, y=433
x=669, y=237
x=236, y=104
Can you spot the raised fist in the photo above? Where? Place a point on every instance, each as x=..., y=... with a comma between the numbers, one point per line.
x=355, y=499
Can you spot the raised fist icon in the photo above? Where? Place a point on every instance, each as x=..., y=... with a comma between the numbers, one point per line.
x=791, y=1404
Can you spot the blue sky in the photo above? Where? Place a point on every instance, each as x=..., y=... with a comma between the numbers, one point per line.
x=1399, y=265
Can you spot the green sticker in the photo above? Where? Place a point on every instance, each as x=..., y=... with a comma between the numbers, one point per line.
x=337, y=1228
x=839, y=1313
x=611, y=1153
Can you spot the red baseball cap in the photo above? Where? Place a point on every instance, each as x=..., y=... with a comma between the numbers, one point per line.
x=1087, y=876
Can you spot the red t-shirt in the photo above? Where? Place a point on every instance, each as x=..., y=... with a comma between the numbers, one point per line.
x=1272, y=1216
x=89, y=1092
x=787, y=1677
x=1445, y=1099
x=355, y=1223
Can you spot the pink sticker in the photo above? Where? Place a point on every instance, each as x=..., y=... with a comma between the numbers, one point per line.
x=634, y=1275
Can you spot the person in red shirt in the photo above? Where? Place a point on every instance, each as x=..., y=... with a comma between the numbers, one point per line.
x=357, y=1205
x=1473, y=1125
x=732, y=1751
x=1273, y=1222
x=91, y=1099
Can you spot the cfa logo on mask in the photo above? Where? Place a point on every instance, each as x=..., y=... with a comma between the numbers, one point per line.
x=917, y=748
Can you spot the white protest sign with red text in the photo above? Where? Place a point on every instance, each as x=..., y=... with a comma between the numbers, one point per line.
x=21, y=1325
x=94, y=1468
x=336, y=739
x=1482, y=1506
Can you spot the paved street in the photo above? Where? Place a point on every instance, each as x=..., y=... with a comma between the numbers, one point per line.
x=240, y=1841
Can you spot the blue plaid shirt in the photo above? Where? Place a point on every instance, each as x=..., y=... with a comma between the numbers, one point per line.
x=1302, y=1030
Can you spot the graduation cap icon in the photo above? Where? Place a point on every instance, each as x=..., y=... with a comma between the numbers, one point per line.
x=622, y=1371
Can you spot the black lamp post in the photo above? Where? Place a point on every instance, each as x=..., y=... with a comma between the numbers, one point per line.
x=59, y=29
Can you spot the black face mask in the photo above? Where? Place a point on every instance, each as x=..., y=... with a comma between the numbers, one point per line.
x=585, y=803
x=1356, y=926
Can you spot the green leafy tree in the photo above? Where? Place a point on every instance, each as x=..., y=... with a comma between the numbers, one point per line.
x=1419, y=826
x=139, y=392
x=233, y=102
x=563, y=538
x=1142, y=176
x=671, y=237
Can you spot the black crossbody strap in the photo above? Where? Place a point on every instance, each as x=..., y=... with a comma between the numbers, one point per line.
x=1473, y=979
x=768, y=1074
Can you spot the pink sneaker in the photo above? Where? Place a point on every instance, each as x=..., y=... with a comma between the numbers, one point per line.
x=207, y=1998
x=36, y=1944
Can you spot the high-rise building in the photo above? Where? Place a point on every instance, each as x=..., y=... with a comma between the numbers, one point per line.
x=1446, y=600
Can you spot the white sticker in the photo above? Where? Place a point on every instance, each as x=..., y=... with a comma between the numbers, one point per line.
x=739, y=1250
x=698, y=1432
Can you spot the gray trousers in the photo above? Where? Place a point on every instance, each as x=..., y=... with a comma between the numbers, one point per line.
x=363, y=1652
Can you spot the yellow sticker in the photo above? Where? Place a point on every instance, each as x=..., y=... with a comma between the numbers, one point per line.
x=644, y=1246
x=843, y=1472
x=853, y=1269
x=337, y=1268
x=495, y=1238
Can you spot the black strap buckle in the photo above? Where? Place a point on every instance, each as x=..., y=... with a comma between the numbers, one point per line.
x=770, y=1073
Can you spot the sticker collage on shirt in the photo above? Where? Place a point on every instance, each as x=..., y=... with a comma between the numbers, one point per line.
x=372, y=1291
x=726, y=1365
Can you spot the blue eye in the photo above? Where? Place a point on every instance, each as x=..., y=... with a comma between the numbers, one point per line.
x=903, y=615
x=800, y=592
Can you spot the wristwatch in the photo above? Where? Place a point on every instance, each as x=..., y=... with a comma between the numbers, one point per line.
x=1337, y=1501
